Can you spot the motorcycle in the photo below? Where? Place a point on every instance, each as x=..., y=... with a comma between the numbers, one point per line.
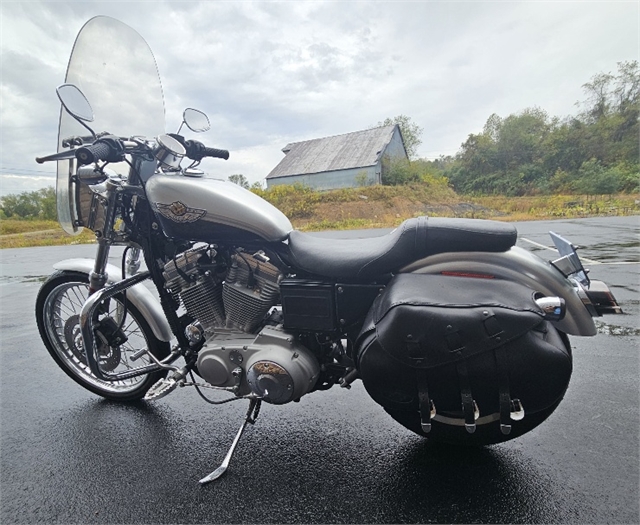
x=459, y=335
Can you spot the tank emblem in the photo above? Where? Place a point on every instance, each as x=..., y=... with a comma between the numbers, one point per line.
x=178, y=212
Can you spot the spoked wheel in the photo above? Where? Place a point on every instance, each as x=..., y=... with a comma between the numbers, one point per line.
x=58, y=309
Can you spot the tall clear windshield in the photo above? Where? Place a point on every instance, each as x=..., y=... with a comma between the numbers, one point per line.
x=116, y=70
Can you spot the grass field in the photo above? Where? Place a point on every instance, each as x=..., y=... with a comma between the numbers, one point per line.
x=24, y=234
x=371, y=207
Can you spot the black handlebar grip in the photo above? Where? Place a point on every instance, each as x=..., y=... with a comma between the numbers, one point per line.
x=218, y=153
x=93, y=153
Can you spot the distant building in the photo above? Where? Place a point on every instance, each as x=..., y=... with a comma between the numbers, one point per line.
x=342, y=161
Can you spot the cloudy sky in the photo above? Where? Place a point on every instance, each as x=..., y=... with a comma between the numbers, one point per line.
x=269, y=73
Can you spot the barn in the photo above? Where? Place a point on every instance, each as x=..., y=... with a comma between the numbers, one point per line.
x=341, y=161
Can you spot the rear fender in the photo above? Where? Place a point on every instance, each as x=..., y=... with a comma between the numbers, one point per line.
x=138, y=295
x=517, y=265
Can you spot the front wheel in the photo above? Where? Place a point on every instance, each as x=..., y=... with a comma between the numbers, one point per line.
x=58, y=308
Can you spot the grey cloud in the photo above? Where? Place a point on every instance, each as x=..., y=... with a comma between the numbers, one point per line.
x=272, y=72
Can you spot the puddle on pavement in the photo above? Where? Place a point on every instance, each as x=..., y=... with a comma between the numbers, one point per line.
x=628, y=288
x=8, y=279
x=620, y=245
x=620, y=252
x=612, y=329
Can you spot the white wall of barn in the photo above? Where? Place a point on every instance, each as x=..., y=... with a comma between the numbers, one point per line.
x=331, y=180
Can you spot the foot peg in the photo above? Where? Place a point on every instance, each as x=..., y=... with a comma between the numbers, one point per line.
x=165, y=386
x=160, y=389
x=250, y=418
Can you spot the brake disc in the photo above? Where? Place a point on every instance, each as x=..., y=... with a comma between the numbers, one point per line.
x=108, y=356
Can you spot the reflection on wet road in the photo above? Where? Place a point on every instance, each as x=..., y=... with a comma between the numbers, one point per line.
x=68, y=457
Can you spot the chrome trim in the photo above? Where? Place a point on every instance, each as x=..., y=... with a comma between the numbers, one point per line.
x=516, y=414
x=87, y=314
x=554, y=308
x=138, y=295
x=169, y=152
x=601, y=299
x=582, y=294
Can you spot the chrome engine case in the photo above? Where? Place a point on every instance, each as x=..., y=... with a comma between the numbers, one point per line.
x=272, y=364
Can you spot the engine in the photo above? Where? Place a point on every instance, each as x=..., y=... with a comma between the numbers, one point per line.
x=230, y=307
x=273, y=365
x=240, y=300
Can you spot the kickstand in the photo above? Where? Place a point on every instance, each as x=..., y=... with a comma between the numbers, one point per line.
x=252, y=415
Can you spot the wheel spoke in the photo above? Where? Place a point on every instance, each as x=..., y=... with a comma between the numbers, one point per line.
x=62, y=307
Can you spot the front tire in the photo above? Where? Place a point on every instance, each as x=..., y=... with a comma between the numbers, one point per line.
x=58, y=307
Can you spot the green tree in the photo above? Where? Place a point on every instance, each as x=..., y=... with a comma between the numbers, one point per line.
x=595, y=179
x=411, y=133
x=401, y=171
x=40, y=204
x=240, y=180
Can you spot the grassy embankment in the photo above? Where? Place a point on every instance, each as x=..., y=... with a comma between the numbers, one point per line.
x=372, y=207
x=388, y=206
x=26, y=233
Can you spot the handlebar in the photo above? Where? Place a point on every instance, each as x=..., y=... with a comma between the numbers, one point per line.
x=63, y=155
x=93, y=153
x=197, y=151
x=112, y=149
x=109, y=148
x=217, y=153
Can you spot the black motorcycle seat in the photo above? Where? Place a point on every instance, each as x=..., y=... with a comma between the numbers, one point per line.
x=414, y=239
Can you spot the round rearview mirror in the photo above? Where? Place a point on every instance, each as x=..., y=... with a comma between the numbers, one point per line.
x=196, y=120
x=75, y=102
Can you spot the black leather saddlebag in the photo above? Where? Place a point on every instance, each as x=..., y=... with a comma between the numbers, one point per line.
x=448, y=356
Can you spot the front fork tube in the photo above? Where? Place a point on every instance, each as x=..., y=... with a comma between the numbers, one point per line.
x=99, y=295
x=98, y=276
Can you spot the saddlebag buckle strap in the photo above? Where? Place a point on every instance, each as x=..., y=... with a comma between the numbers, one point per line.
x=469, y=406
x=427, y=408
x=502, y=369
x=517, y=410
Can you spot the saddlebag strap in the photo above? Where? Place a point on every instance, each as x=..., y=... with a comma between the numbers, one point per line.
x=427, y=408
x=469, y=407
x=502, y=369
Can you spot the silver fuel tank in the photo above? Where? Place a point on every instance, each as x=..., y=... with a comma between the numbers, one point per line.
x=202, y=209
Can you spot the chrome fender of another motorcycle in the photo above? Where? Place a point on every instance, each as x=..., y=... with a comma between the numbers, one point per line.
x=139, y=296
x=517, y=265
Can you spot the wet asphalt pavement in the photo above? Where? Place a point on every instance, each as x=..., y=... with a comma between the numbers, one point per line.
x=67, y=456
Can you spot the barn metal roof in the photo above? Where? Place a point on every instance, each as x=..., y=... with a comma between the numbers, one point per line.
x=351, y=150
